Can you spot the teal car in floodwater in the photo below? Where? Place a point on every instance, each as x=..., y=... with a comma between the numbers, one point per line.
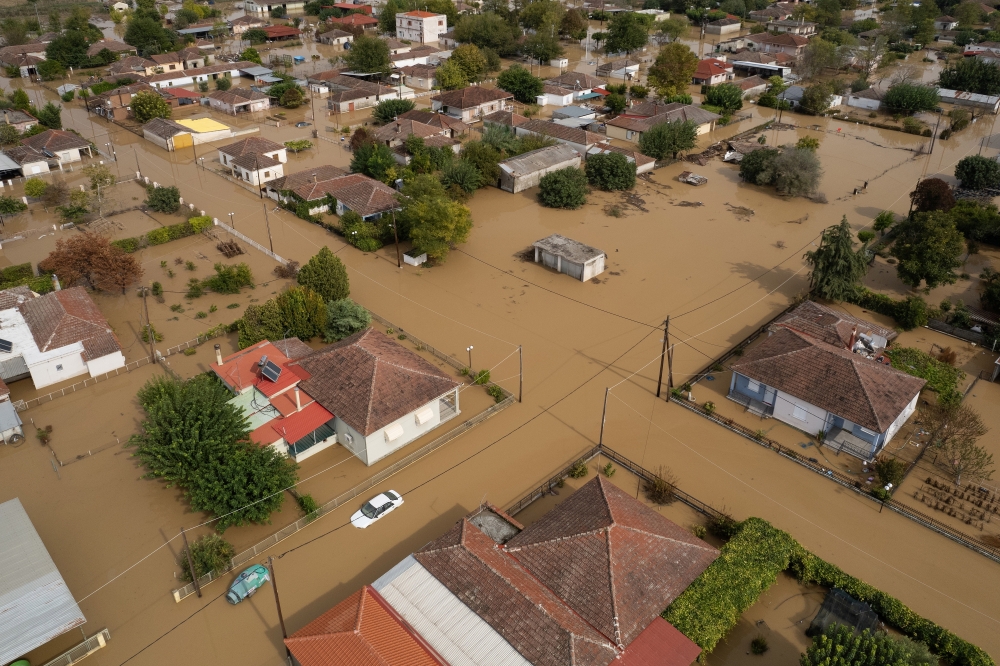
x=247, y=583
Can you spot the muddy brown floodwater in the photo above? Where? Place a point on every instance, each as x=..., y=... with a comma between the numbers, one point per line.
x=719, y=269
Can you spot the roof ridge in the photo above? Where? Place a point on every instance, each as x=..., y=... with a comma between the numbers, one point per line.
x=665, y=538
x=869, y=403
x=361, y=608
x=611, y=583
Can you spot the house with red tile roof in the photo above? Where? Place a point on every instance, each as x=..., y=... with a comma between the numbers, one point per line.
x=367, y=392
x=368, y=24
x=471, y=103
x=255, y=160
x=711, y=71
x=582, y=586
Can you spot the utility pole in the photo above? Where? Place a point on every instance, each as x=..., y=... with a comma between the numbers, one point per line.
x=187, y=551
x=149, y=334
x=399, y=260
x=604, y=416
x=934, y=138
x=659, y=381
x=277, y=602
x=670, y=367
x=520, y=373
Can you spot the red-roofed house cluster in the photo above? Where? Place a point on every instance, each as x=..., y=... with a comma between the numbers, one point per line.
x=582, y=586
x=366, y=392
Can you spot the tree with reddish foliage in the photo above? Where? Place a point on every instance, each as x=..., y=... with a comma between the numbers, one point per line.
x=91, y=259
x=361, y=137
x=932, y=194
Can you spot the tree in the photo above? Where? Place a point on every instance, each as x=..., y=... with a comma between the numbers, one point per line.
x=627, y=32
x=389, y=109
x=70, y=49
x=932, y=194
x=463, y=175
x=369, y=55
x=260, y=322
x=574, y=24
x=673, y=28
x=521, y=84
x=989, y=279
x=726, y=96
x=616, y=103
x=90, y=259
x=470, y=59
x=610, y=171
x=450, y=76
x=485, y=158
x=795, y=172
x=326, y=275
x=543, y=45
x=149, y=37
x=251, y=55
x=756, y=167
x=928, y=248
x=194, y=439
x=50, y=116
x=818, y=55
x=210, y=552
x=673, y=69
x=147, y=105
x=955, y=429
x=910, y=98
x=255, y=36
x=163, y=199
x=55, y=22
x=387, y=17
x=666, y=139
x=871, y=54
x=883, y=221
x=541, y=13
x=375, y=160
x=303, y=312
x=839, y=645
x=971, y=75
x=977, y=173
x=968, y=15
x=816, y=98
x=436, y=224
x=19, y=99
x=488, y=30
x=291, y=97
x=50, y=70
x=343, y=318
x=13, y=31
x=565, y=188
x=889, y=470
x=837, y=268
x=223, y=83
x=8, y=135
x=35, y=187
x=808, y=143
x=11, y=206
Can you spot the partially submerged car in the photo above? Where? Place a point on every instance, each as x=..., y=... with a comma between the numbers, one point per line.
x=376, y=507
x=247, y=583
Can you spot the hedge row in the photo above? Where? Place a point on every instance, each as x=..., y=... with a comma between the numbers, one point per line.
x=750, y=563
x=193, y=226
x=24, y=275
x=909, y=313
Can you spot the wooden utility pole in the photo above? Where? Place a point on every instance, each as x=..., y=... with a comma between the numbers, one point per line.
x=277, y=602
x=604, y=416
x=659, y=381
x=194, y=575
x=149, y=332
x=399, y=261
x=520, y=373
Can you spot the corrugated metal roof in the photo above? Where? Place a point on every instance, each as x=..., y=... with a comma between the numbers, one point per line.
x=7, y=164
x=35, y=603
x=8, y=416
x=448, y=625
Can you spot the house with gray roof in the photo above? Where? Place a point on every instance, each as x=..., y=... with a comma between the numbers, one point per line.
x=825, y=372
x=525, y=171
x=565, y=255
x=631, y=124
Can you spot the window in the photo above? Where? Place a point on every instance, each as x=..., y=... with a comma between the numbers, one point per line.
x=799, y=413
x=267, y=174
x=753, y=386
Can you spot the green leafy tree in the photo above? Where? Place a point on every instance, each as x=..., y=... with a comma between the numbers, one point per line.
x=14, y=31
x=883, y=221
x=977, y=173
x=756, y=168
x=209, y=552
x=816, y=98
x=51, y=70
x=147, y=105
x=910, y=98
x=255, y=36
x=485, y=158
x=436, y=224
x=488, y=30
x=223, y=83
x=375, y=160
x=303, y=312
x=389, y=109
x=541, y=13
x=673, y=27
x=932, y=194
x=520, y=83
x=978, y=221
x=971, y=75
x=610, y=171
x=19, y=99
x=726, y=96
x=928, y=247
x=796, y=172
x=55, y=22
x=8, y=135
x=35, y=188
x=194, y=439
x=369, y=55
x=837, y=268
x=148, y=36
x=627, y=32
x=450, y=76
x=70, y=49
x=672, y=71
x=808, y=143
x=990, y=297
x=565, y=188
x=344, y=318
x=667, y=139
x=462, y=174
x=839, y=645
x=250, y=54
x=616, y=103
x=326, y=274
x=163, y=199
x=574, y=24
x=387, y=17
x=50, y=116
x=470, y=59
x=260, y=322
x=10, y=205
x=543, y=45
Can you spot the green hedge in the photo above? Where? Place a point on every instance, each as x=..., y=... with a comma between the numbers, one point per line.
x=163, y=235
x=909, y=313
x=16, y=273
x=23, y=275
x=749, y=564
x=941, y=377
x=808, y=568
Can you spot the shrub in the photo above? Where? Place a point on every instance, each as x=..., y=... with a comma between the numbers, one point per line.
x=208, y=553
x=344, y=317
x=610, y=172
x=495, y=392
x=941, y=377
x=35, y=187
x=163, y=199
x=662, y=488
x=748, y=565
x=866, y=236
x=463, y=174
x=230, y=279
x=579, y=469
x=838, y=641
x=759, y=645
x=307, y=504
x=10, y=206
x=148, y=331
x=194, y=289
x=388, y=109
x=157, y=289
x=565, y=188
x=200, y=222
x=909, y=313
x=976, y=172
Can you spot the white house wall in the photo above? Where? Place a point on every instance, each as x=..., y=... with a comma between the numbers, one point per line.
x=814, y=418
x=57, y=366
x=901, y=419
x=106, y=363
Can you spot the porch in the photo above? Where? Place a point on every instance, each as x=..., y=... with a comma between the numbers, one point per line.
x=751, y=405
x=844, y=441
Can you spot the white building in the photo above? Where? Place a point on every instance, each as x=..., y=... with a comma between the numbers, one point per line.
x=255, y=159
x=265, y=8
x=526, y=171
x=420, y=26
x=869, y=100
x=565, y=255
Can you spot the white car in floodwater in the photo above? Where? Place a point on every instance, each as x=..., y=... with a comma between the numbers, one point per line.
x=376, y=507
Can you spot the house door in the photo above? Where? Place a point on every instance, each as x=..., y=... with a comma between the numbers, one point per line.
x=350, y=107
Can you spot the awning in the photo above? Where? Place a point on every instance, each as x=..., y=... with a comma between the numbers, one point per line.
x=301, y=423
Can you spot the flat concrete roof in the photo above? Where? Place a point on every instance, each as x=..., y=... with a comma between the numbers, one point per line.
x=568, y=249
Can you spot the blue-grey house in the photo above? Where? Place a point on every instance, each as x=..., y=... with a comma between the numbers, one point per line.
x=823, y=371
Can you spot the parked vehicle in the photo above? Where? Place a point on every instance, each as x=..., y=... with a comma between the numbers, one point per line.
x=247, y=583
x=376, y=507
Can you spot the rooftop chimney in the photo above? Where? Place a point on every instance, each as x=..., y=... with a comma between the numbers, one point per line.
x=298, y=399
x=218, y=354
x=55, y=282
x=315, y=179
x=854, y=338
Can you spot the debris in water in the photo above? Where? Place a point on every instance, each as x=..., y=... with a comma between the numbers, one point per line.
x=780, y=245
x=740, y=211
x=800, y=220
x=691, y=178
x=690, y=204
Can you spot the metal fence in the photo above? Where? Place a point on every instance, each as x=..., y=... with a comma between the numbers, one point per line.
x=251, y=242
x=955, y=332
x=210, y=334
x=848, y=482
x=49, y=397
x=546, y=488
x=79, y=652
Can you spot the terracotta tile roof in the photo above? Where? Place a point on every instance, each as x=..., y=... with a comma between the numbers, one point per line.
x=471, y=97
x=420, y=71
x=55, y=140
x=751, y=82
x=682, y=112
x=784, y=39
x=354, y=19
x=236, y=96
x=614, y=65
x=577, y=81
x=181, y=92
x=415, y=52
x=612, y=559
x=112, y=45
x=508, y=118
x=369, y=380
x=832, y=378
x=25, y=155
x=255, y=162
x=274, y=31
x=365, y=196
x=293, y=348
x=362, y=630
x=253, y=144
x=402, y=128
x=303, y=182
x=831, y=326
x=248, y=20
x=725, y=22
x=241, y=370
x=512, y=601
x=359, y=92
x=710, y=67
x=10, y=298
x=419, y=14
x=166, y=58
x=130, y=64
x=561, y=132
x=436, y=120
x=660, y=644
x=65, y=317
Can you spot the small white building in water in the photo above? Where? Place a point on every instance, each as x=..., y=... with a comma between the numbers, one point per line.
x=568, y=256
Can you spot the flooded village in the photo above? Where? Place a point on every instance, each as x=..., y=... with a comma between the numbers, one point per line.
x=456, y=333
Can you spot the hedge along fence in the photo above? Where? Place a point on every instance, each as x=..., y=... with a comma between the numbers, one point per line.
x=23, y=275
x=910, y=312
x=750, y=563
x=193, y=226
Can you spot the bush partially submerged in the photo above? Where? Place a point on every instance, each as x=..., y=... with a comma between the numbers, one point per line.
x=208, y=553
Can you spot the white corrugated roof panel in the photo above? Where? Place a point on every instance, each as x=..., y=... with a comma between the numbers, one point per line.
x=35, y=603
x=449, y=626
x=7, y=164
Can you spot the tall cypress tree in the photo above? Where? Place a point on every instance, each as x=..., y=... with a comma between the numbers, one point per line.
x=837, y=268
